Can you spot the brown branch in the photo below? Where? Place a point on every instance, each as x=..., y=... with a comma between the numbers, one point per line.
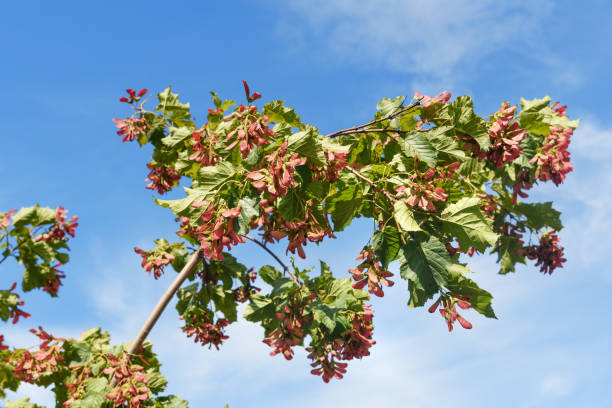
x=268, y=250
x=354, y=129
x=161, y=305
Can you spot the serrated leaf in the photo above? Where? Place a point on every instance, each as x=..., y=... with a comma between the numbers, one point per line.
x=465, y=221
x=416, y=145
x=269, y=274
x=424, y=264
x=344, y=205
x=259, y=308
x=249, y=210
x=507, y=249
x=386, y=244
x=307, y=145
x=404, y=217
x=539, y=215
x=170, y=105
x=466, y=121
x=177, y=136
x=479, y=298
x=35, y=215
x=277, y=112
x=388, y=106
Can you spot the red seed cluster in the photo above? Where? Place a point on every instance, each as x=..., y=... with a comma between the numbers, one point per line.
x=6, y=220
x=216, y=229
x=131, y=389
x=523, y=182
x=375, y=277
x=131, y=128
x=553, y=160
x=203, y=148
x=14, y=312
x=61, y=227
x=162, y=178
x=446, y=306
x=278, y=175
x=30, y=366
x=355, y=343
x=133, y=97
x=290, y=331
x=490, y=205
x=505, y=136
x=336, y=161
x=549, y=254
x=153, y=261
x=53, y=283
x=252, y=131
x=422, y=190
x=200, y=326
x=442, y=97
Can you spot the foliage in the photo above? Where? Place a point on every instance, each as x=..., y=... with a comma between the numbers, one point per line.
x=436, y=179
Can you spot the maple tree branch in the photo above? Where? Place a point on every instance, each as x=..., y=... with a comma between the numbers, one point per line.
x=161, y=305
x=356, y=129
x=268, y=250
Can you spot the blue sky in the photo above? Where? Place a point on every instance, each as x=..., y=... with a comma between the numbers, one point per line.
x=64, y=66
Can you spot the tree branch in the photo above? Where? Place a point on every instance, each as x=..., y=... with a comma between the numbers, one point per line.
x=161, y=305
x=268, y=250
x=355, y=129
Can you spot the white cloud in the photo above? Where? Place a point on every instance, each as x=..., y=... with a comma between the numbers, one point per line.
x=556, y=385
x=430, y=37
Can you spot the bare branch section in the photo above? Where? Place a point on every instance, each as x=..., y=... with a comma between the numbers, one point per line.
x=361, y=128
x=187, y=270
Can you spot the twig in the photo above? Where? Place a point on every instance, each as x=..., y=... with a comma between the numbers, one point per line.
x=295, y=278
x=373, y=122
x=161, y=305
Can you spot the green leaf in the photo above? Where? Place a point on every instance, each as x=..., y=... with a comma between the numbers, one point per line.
x=404, y=217
x=259, y=308
x=22, y=403
x=388, y=106
x=416, y=145
x=170, y=105
x=479, y=298
x=442, y=140
x=44, y=251
x=507, y=249
x=424, y=265
x=539, y=215
x=177, y=136
x=249, y=210
x=466, y=121
x=224, y=302
x=34, y=216
x=386, y=244
x=536, y=116
x=170, y=401
x=307, y=145
x=269, y=274
x=277, y=112
x=290, y=205
x=465, y=221
x=344, y=205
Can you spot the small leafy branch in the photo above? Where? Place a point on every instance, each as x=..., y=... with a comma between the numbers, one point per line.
x=436, y=179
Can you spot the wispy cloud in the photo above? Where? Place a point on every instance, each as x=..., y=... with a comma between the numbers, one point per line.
x=423, y=37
